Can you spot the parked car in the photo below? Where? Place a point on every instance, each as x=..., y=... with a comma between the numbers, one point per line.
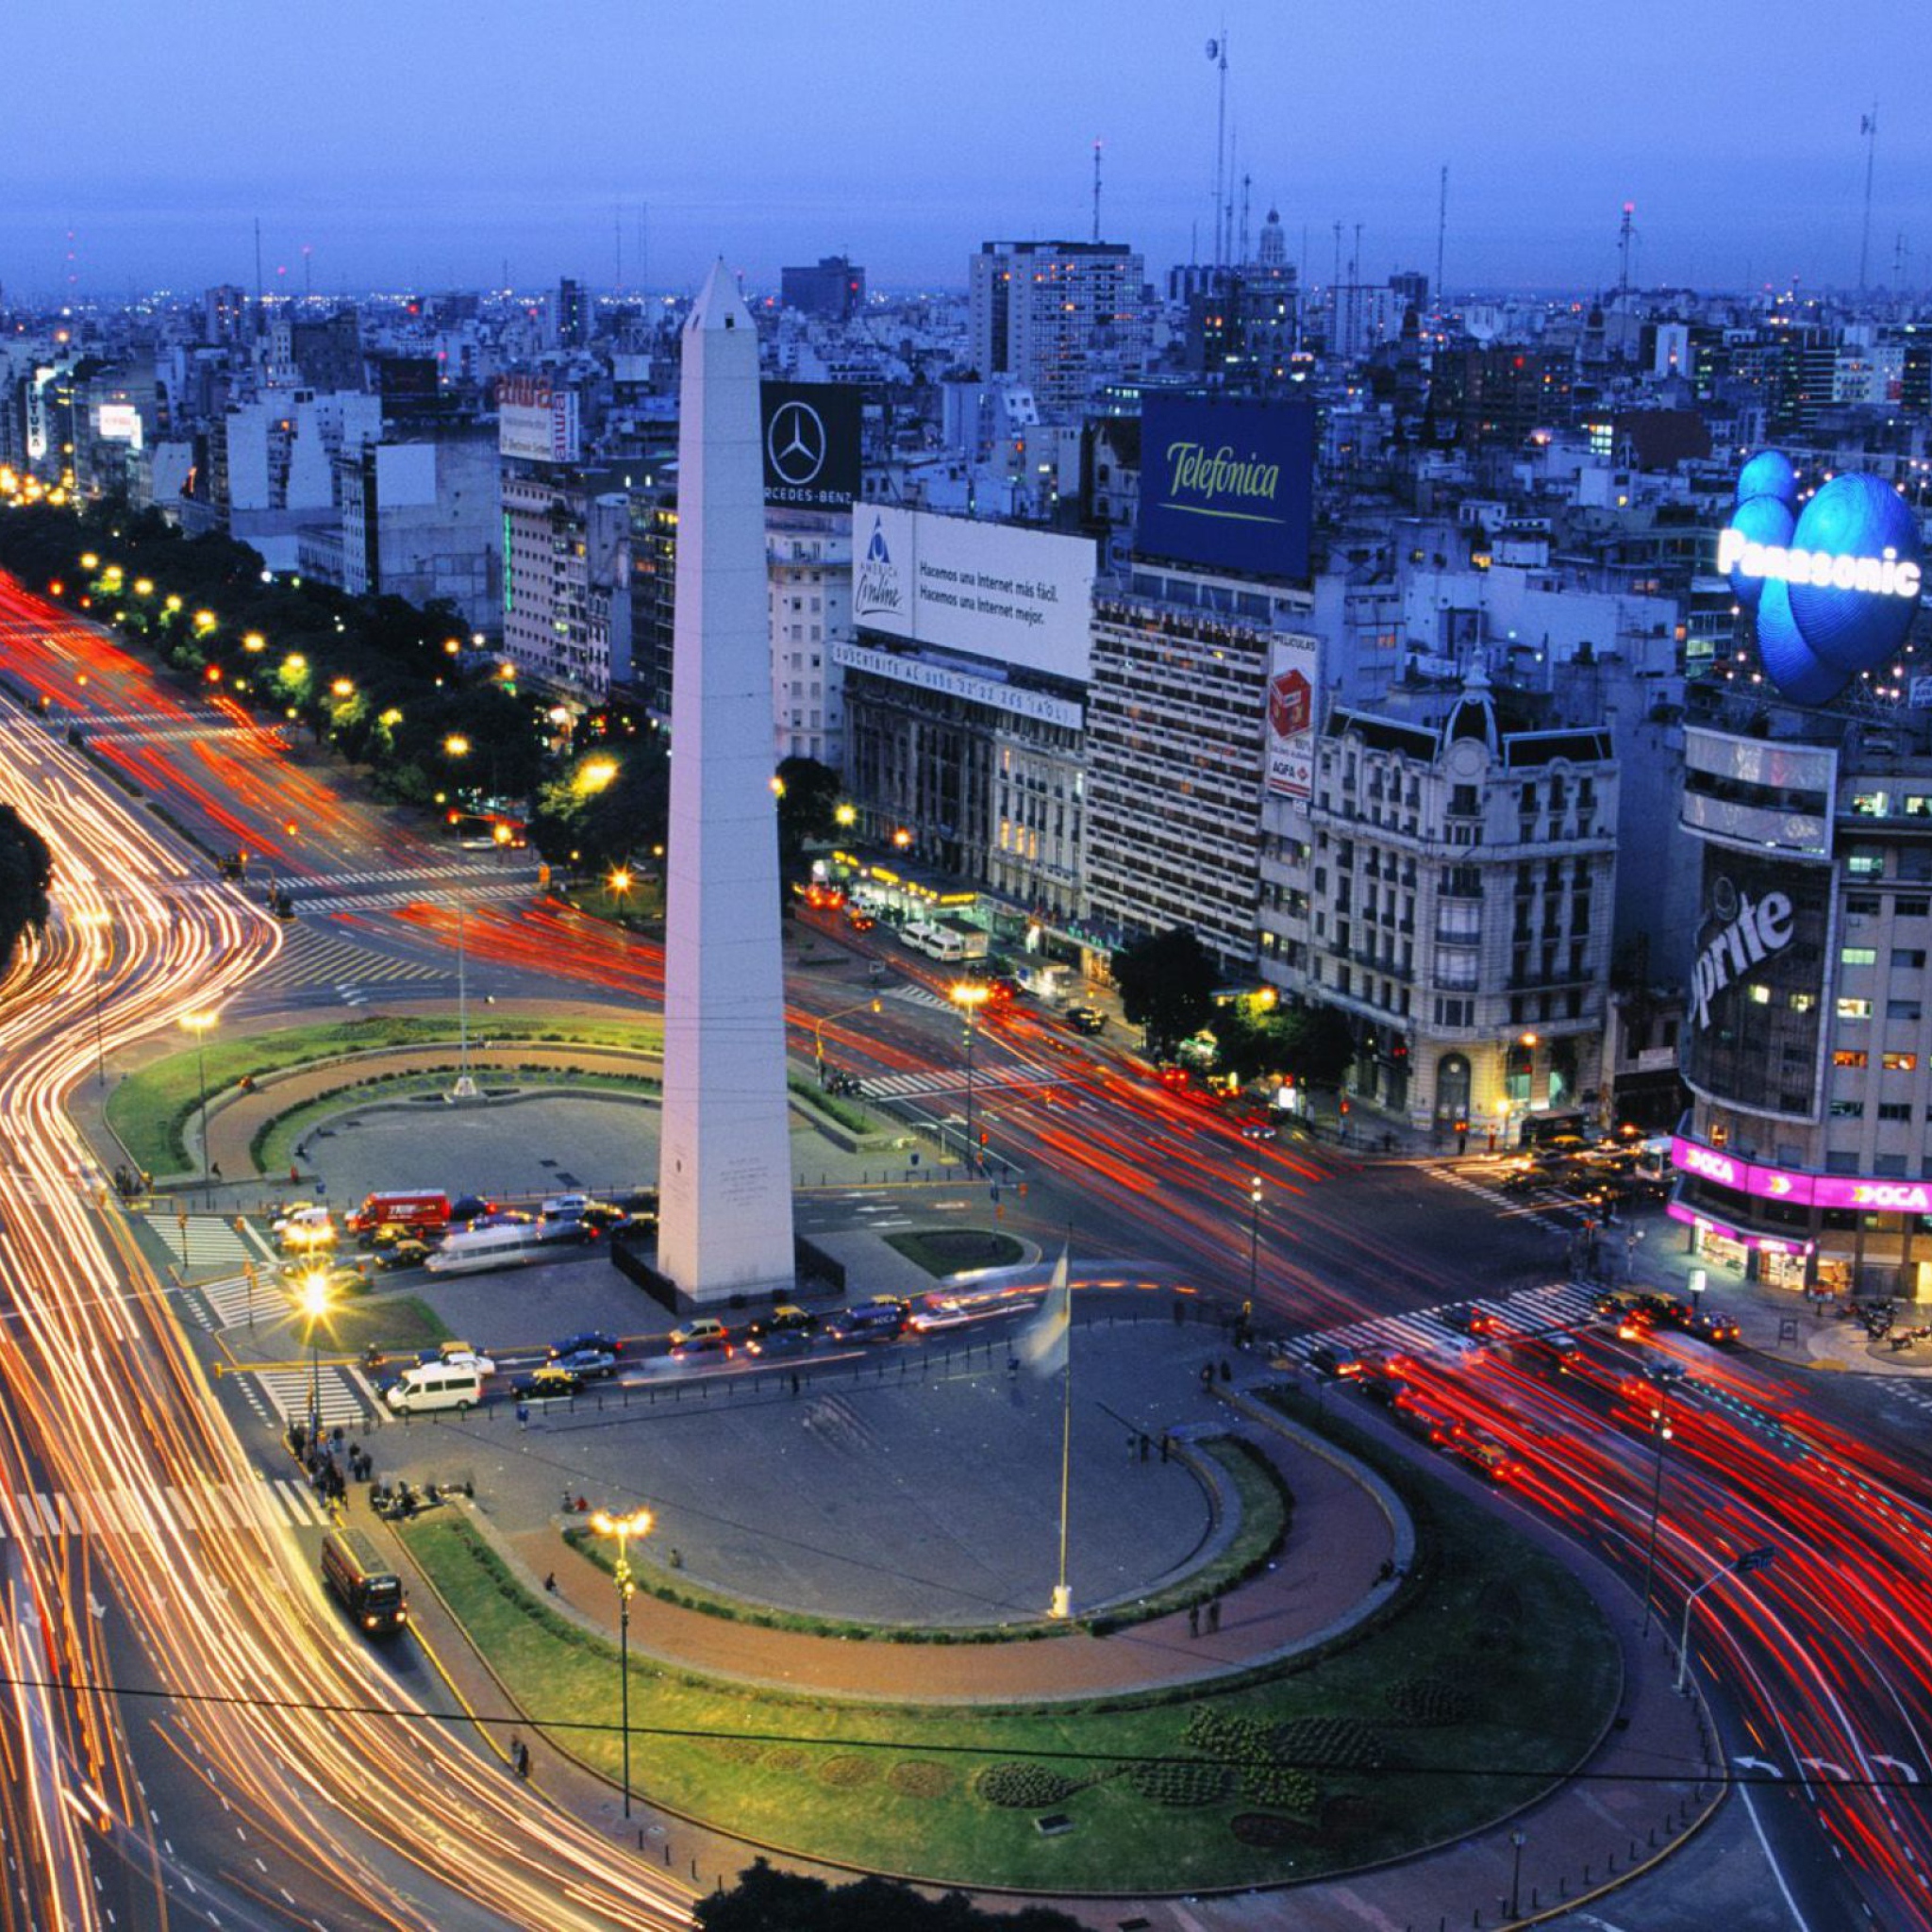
x=593, y=1339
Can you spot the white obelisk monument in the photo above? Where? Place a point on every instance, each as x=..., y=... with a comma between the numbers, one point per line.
x=724, y=1171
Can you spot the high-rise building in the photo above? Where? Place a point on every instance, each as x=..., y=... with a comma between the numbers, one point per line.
x=566, y=575
x=833, y=287
x=572, y=314
x=1060, y=316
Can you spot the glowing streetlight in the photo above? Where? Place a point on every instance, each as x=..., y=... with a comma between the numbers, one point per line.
x=594, y=776
x=198, y=1024
x=624, y=1528
x=315, y=1306
x=343, y=688
x=252, y=641
x=968, y=996
x=845, y=816
x=456, y=745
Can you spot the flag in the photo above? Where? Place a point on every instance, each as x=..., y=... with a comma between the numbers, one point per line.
x=1042, y=1343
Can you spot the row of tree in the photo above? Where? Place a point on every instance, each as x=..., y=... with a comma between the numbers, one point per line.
x=1167, y=985
x=26, y=870
x=768, y=1900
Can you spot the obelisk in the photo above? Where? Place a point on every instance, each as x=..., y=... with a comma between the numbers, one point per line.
x=725, y=1179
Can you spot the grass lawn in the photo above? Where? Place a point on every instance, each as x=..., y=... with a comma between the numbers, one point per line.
x=150, y=1108
x=1485, y=1686
x=951, y=1250
x=1262, y=1509
x=355, y=1322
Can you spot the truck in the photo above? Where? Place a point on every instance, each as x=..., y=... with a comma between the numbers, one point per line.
x=414, y=1211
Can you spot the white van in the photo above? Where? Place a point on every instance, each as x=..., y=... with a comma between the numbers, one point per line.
x=436, y=1385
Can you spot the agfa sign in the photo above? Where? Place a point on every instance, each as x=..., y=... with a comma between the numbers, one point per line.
x=1295, y=670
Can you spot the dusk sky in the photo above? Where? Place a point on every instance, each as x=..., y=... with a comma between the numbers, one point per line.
x=426, y=143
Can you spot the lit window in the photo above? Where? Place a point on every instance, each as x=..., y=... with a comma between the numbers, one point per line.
x=1853, y=1009
x=1899, y=1062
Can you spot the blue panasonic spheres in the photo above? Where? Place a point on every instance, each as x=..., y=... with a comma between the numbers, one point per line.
x=1815, y=638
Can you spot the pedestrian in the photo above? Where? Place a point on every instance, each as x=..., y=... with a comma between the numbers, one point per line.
x=1012, y=1365
x=214, y=1170
x=298, y=1440
x=1227, y=1370
x=1146, y=1447
x=295, y=1176
x=522, y=1415
x=794, y=1382
x=1166, y=1445
x=1213, y=1615
x=550, y=1583
x=1132, y=1441
x=1194, y=1620
x=523, y=1761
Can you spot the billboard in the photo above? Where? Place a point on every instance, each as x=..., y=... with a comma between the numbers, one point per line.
x=811, y=444
x=1021, y=597
x=1294, y=672
x=535, y=423
x=1834, y=577
x=1227, y=484
x=1757, y=995
x=1800, y=1190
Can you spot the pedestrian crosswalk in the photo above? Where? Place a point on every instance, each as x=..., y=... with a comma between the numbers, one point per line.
x=917, y=1086
x=917, y=996
x=489, y=876
x=230, y=1302
x=1531, y=1311
x=1905, y=1389
x=208, y=1240
x=315, y=958
x=50, y=1515
x=471, y=895
x=344, y=1395
x=1470, y=1184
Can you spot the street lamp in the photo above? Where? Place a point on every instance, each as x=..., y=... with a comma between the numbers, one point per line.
x=1517, y=1841
x=968, y=996
x=624, y=1528
x=96, y=923
x=1253, y=1235
x=198, y=1024
x=314, y=1307
x=1663, y=1375
x=465, y=1087
x=617, y=886
x=1739, y=1566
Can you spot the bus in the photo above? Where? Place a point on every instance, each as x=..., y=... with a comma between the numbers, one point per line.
x=363, y=1583
x=476, y=1250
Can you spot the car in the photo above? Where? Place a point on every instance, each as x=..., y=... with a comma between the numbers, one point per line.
x=464, y=1352
x=1453, y=1351
x=780, y=1342
x=1667, y=1311
x=784, y=1318
x=641, y=1204
x=604, y=1216
x=1485, y=1454
x=1004, y=989
x=406, y=1253
x=1471, y=1321
x=566, y=1230
x=859, y=921
x=592, y=1339
x=1086, y=1019
x=1337, y=1364
x=1259, y=1129
x=504, y=1217
x=546, y=1382
x=591, y=1364
x=470, y=1207
x=1434, y=1425
x=1555, y=1351
x=695, y=1337
x=937, y=1313
x=1719, y=1330
x=878, y=1320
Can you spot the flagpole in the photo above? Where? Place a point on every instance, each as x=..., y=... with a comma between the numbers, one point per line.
x=1062, y=1597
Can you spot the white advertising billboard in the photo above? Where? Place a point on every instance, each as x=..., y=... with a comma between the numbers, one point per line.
x=1021, y=597
x=535, y=423
x=1294, y=686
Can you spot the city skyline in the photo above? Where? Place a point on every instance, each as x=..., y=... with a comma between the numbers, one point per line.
x=422, y=151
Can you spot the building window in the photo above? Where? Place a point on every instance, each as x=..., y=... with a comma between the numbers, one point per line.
x=1902, y=1009
x=1898, y=1062
x=1858, y=955
x=1910, y=909
x=1862, y=862
x=1854, y=1009
x=1849, y=1057
x=1893, y=1110
x=1908, y=959
x=1848, y=1110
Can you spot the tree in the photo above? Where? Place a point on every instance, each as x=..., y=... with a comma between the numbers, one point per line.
x=610, y=807
x=807, y=807
x=1167, y=985
x=1317, y=1045
x=26, y=869
x=765, y=1900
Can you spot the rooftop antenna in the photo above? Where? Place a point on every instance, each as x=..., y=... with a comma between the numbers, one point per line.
x=1096, y=188
x=1217, y=51
x=307, y=279
x=1355, y=263
x=260, y=297
x=1899, y=255
x=1335, y=282
x=617, y=222
x=1441, y=230
x=1626, y=234
x=1868, y=126
x=1247, y=185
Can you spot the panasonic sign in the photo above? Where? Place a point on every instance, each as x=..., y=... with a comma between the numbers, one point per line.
x=1886, y=574
x=1752, y=937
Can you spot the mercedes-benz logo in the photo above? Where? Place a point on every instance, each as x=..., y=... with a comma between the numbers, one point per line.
x=796, y=444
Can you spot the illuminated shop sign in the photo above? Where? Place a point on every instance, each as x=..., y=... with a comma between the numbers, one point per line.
x=1800, y=1190
x=1886, y=575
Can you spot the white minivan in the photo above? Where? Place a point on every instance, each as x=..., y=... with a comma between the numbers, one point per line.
x=456, y=1385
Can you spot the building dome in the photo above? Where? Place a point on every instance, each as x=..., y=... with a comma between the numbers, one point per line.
x=1474, y=714
x=1272, y=252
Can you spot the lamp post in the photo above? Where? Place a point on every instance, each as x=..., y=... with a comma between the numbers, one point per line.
x=314, y=1307
x=1517, y=1841
x=818, y=1031
x=198, y=1024
x=968, y=996
x=1739, y=1566
x=1253, y=1235
x=1663, y=1375
x=624, y=1528
x=96, y=923
x=465, y=1087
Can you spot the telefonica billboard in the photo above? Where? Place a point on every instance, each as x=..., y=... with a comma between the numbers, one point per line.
x=1227, y=484
x=1834, y=577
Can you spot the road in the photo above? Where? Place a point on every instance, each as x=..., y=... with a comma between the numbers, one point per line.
x=1817, y=1663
